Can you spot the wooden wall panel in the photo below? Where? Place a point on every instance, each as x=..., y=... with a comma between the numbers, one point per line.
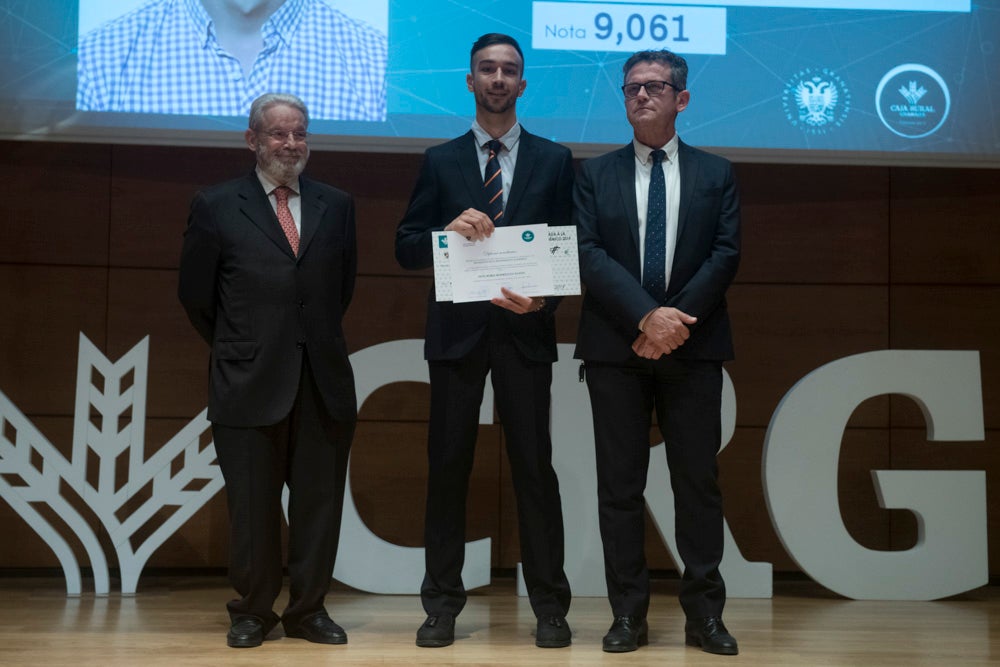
x=389, y=480
x=385, y=309
x=815, y=225
x=836, y=261
x=784, y=332
x=143, y=302
x=744, y=501
x=152, y=188
x=376, y=223
x=43, y=311
x=61, y=216
x=945, y=226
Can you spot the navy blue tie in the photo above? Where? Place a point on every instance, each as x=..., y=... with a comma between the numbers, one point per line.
x=654, y=261
x=493, y=183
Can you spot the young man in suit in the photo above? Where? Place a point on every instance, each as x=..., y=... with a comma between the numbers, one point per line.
x=513, y=336
x=659, y=234
x=267, y=270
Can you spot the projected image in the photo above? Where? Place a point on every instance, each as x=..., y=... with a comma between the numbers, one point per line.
x=847, y=81
x=214, y=57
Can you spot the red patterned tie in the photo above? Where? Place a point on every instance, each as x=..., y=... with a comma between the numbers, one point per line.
x=285, y=217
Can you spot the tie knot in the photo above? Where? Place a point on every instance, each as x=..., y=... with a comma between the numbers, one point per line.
x=494, y=145
x=281, y=193
x=658, y=155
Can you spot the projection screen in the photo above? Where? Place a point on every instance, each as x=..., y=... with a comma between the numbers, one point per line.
x=834, y=81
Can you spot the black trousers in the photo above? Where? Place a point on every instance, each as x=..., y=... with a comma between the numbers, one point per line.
x=522, y=393
x=687, y=398
x=307, y=450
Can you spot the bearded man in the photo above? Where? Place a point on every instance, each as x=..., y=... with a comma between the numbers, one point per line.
x=267, y=271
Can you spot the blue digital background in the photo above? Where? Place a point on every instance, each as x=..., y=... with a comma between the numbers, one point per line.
x=739, y=101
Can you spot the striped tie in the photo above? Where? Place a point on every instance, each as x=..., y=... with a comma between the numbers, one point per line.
x=493, y=183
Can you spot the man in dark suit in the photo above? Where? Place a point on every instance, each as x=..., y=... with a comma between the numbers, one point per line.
x=659, y=233
x=513, y=336
x=267, y=271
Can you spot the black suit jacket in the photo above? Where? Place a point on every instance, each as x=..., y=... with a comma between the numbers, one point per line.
x=450, y=181
x=260, y=308
x=705, y=258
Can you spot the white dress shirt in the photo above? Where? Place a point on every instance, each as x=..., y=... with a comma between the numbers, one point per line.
x=507, y=157
x=294, y=198
x=672, y=178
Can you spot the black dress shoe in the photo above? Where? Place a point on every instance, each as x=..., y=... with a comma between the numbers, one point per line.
x=711, y=635
x=437, y=631
x=553, y=632
x=627, y=633
x=246, y=632
x=318, y=628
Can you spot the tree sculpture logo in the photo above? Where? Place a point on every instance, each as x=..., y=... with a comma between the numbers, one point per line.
x=179, y=478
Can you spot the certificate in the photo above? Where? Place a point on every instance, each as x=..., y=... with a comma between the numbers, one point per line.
x=531, y=260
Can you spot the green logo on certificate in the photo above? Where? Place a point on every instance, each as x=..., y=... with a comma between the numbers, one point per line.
x=443, y=241
x=528, y=236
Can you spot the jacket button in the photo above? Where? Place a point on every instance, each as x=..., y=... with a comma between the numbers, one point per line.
x=300, y=344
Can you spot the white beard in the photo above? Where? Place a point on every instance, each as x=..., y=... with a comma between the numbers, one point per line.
x=279, y=171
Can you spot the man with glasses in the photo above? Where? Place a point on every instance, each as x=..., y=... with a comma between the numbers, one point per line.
x=659, y=234
x=267, y=270
x=513, y=338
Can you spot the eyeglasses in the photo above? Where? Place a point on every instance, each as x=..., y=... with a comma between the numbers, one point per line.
x=282, y=135
x=653, y=88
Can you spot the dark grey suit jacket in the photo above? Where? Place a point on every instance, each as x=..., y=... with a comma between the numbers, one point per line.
x=705, y=258
x=260, y=308
x=450, y=181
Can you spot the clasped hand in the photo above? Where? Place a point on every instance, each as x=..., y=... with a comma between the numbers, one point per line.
x=665, y=330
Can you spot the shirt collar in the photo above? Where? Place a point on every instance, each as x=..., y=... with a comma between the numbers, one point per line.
x=270, y=184
x=202, y=21
x=642, y=151
x=509, y=139
x=283, y=22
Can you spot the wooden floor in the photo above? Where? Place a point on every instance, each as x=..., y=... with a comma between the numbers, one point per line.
x=182, y=621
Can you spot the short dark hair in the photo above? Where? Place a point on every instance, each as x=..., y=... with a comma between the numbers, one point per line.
x=678, y=66
x=491, y=39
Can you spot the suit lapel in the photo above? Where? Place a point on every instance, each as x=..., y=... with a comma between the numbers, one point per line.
x=467, y=161
x=522, y=176
x=313, y=209
x=626, y=185
x=689, y=177
x=257, y=208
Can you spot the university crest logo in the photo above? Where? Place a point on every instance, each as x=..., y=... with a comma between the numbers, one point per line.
x=816, y=101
